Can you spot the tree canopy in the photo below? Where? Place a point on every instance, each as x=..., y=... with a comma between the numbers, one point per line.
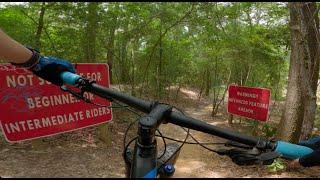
x=157, y=45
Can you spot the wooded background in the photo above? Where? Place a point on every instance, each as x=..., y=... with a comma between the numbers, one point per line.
x=152, y=47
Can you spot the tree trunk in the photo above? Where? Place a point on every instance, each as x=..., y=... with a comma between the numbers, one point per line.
x=40, y=27
x=217, y=103
x=159, y=74
x=202, y=86
x=230, y=119
x=91, y=32
x=300, y=99
x=208, y=81
x=110, y=50
x=215, y=91
x=133, y=64
x=123, y=65
x=311, y=43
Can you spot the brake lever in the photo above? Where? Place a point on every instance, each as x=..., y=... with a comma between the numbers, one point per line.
x=251, y=156
x=74, y=93
x=238, y=145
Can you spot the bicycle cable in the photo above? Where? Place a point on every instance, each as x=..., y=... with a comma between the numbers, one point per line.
x=163, y=137
x=197, y=142
x=188, y=142
x=165, y=144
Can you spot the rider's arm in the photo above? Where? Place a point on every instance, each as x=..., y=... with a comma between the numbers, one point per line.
x=312, y=159
x=12, y=51
x=48, y=68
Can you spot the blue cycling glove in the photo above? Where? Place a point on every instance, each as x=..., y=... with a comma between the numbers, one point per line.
x=48, y=68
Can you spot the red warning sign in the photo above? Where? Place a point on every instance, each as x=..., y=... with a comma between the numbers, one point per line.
x=32, y=108
x=249, y=102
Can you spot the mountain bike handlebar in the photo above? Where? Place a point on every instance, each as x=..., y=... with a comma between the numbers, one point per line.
x=287, y=150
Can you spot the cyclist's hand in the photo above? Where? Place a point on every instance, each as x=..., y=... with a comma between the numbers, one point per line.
x=50, y=68
x=312, y=143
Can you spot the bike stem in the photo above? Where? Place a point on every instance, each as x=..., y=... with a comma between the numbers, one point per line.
x=145, y=152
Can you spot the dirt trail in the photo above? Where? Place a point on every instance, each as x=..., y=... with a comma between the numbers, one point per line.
x=70, y=154
x=195, y=161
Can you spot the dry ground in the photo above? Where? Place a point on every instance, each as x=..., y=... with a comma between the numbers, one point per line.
x=76, y=154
